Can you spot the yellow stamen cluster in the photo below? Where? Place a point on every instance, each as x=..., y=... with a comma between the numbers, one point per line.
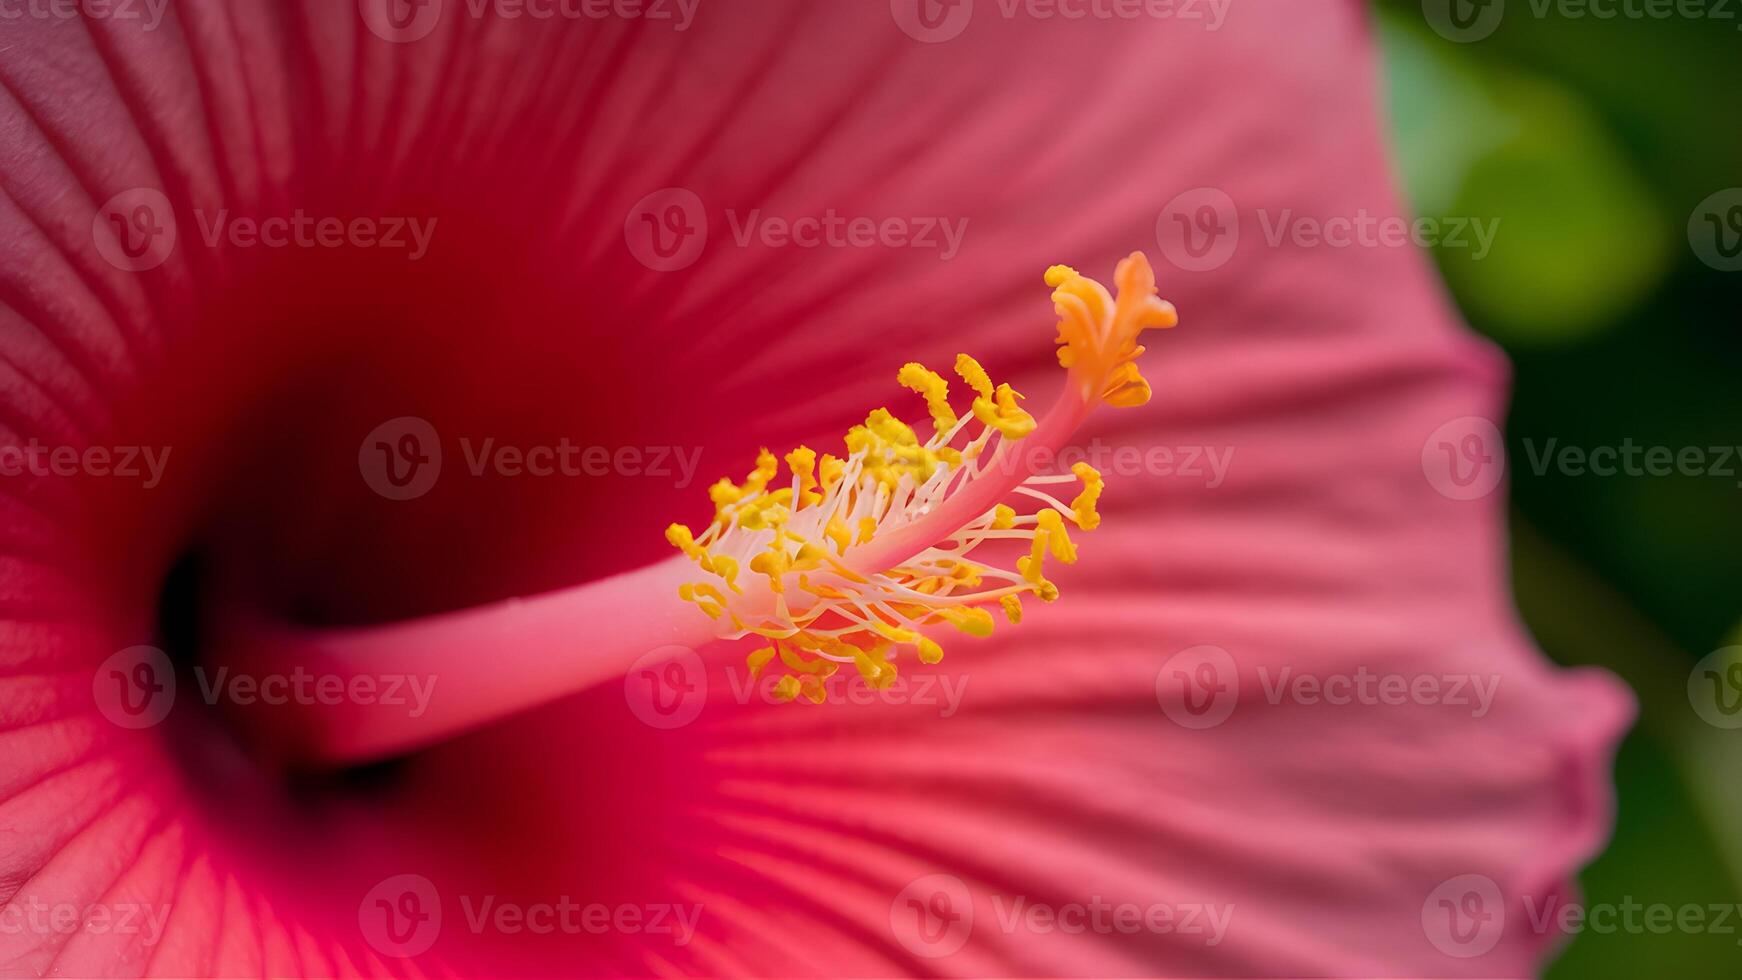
x=793, y=560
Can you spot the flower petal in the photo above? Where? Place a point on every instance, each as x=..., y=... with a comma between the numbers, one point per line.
x=1322, y=548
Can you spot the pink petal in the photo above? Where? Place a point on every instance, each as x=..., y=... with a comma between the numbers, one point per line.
x=1326, y=829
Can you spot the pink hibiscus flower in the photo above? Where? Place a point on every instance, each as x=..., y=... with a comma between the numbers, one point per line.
x=316, y=319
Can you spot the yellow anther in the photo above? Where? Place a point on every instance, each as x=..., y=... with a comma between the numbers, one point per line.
x=724, y=493
x=766, y=467
x=727, y=569
x=773, y=563
x=867, y=529
x=681, y=537
x=1003, y=517
x=871, y=663
x=847, y=573
x=929, y=651
x=825, y=591
x=684, y=540
x=810, y=556
x=1012, y=608
x=1029, y=566
x=759, y=659
x=766, y=510
x=868, y=668
x=803, y=463
x=934, y=389
x=1002, y=413
x=761, y=514
x=975, y=375
x=829, y=471
x=701, y=593
x=894, y=633
x=1052, y=524
x=966, y=574
x=836, y=531
x=786, y=688
x=861, y=439
x=879, y=658
x=790, y=657
x=1084, y=504
x=972, y=620
x=890, y=429
x=813, y=690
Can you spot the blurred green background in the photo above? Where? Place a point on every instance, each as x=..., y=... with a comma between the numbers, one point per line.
x=1596, y=142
